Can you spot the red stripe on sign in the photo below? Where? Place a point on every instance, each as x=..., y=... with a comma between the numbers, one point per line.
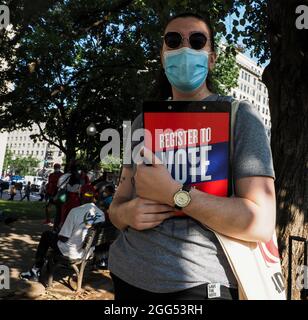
x=201, y=129
x=217, y=188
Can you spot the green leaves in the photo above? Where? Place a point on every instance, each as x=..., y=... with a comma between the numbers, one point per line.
x=95, y=61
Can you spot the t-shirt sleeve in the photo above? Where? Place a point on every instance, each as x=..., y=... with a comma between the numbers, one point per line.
x=68, y=226
x=252, y=151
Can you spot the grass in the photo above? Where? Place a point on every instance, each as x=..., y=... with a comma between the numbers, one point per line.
x=32, y=210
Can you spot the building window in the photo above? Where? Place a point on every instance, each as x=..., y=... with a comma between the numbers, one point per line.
x=247, y=89
x=42, y=153
x=242, y=74
x=263, y=110
x=263, y=100
x=37, y=153
x=258, y=108
x=60, y=152
x=241, y=86
x=249, y=78
x=266, y=111
x=244, y=88
x=254, y=81
x=27, y=152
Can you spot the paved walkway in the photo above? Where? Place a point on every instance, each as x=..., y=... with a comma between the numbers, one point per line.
x=18, y=243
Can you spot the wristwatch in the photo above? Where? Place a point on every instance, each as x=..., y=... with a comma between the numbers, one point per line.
x=182, y=197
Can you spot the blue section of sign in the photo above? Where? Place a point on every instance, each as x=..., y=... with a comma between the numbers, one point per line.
x=198, y=164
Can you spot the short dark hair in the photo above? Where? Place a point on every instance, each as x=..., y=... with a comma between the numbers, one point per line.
x=197, y=16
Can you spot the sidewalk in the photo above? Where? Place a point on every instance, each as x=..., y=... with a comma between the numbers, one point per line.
x=18, y=243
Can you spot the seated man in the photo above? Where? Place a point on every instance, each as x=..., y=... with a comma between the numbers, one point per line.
x=70, y=238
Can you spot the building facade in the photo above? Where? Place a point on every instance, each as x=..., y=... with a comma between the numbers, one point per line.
x=21, y=145
x=250, y=87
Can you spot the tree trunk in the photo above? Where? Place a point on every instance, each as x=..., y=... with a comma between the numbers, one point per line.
x=286, y=78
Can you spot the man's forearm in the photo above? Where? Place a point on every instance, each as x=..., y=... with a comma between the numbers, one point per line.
x=116, y=212
x=235, y=217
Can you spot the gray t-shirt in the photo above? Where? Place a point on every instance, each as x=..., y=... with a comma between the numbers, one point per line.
x=180, y=254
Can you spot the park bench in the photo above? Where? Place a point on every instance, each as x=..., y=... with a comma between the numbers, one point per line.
x=94, y=237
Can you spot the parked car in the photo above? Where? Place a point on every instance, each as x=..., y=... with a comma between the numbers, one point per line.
x=17, y=179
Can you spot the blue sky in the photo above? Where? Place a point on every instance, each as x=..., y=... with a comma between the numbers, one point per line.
x=229, y=25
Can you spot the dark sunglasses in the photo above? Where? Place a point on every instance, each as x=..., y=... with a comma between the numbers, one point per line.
x=197, y=40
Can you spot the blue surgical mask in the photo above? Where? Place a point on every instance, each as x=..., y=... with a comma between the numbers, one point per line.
x=185, y=68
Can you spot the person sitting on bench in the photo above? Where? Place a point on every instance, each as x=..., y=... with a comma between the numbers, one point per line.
x=70, y=239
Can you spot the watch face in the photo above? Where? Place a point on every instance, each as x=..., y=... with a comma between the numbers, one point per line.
x=182, y=198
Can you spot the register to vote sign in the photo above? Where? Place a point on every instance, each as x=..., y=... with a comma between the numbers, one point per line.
x=192, y=141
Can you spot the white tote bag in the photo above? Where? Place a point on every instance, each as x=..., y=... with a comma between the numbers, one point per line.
x=256, y=267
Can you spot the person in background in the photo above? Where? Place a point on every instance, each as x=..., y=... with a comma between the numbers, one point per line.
x=27, y=192
x=12, y=191
x=71, y=182
x=42, y=191
x=70, y=239
x=107, y=197
x=19, y=187
x=51, y=190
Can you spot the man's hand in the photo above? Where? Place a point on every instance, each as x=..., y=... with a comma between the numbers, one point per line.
x=142, y=214
x=155, y=182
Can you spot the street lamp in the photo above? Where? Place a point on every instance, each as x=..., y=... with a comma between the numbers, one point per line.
x=91, y=130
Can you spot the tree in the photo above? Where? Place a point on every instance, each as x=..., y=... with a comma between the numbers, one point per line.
x=75, y=64
x=271, y=33
x=20, y=165
x=8, y=158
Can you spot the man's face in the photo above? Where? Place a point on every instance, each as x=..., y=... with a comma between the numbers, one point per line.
x=187, y=26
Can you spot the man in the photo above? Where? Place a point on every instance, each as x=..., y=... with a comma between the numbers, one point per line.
x=51, y=189
x=12, y=191
x=70, y=238
x=107, y=197
x=27, y=192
